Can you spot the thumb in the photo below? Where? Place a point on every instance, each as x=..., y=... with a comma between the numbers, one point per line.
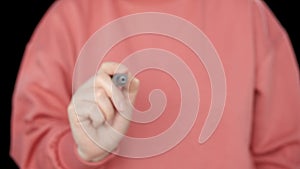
x=133, y=89
x=122, y=118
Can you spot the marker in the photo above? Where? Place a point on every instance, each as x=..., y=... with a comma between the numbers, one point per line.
x=120, y=79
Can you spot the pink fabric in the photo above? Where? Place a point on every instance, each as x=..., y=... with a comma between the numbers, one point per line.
x=260, y=127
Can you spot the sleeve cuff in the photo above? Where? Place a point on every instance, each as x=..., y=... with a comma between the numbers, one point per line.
x=70, y=159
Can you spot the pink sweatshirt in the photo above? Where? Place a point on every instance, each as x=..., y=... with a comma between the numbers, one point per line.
x=260, y=126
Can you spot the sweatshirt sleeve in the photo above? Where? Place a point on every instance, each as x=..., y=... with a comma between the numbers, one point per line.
x=276, y=122
x=40, y=132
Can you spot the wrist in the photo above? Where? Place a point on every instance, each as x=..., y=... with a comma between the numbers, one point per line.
x=94, y=158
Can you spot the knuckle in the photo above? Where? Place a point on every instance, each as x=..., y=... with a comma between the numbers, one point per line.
x=70, y=107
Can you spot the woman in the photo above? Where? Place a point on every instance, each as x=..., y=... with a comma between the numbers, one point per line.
x=55, y=126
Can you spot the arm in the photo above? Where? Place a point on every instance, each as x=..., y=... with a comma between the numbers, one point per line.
x=276, y=127
x=41, y=135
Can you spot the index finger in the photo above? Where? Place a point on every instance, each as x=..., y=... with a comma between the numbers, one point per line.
x=111, y=68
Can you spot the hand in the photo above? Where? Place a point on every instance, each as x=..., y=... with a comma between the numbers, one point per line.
x=96, y=106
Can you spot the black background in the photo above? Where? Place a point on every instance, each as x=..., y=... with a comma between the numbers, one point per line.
x=19, y=19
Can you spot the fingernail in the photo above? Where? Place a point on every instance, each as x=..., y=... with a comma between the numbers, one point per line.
x=136, y=80
x=122, y=69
